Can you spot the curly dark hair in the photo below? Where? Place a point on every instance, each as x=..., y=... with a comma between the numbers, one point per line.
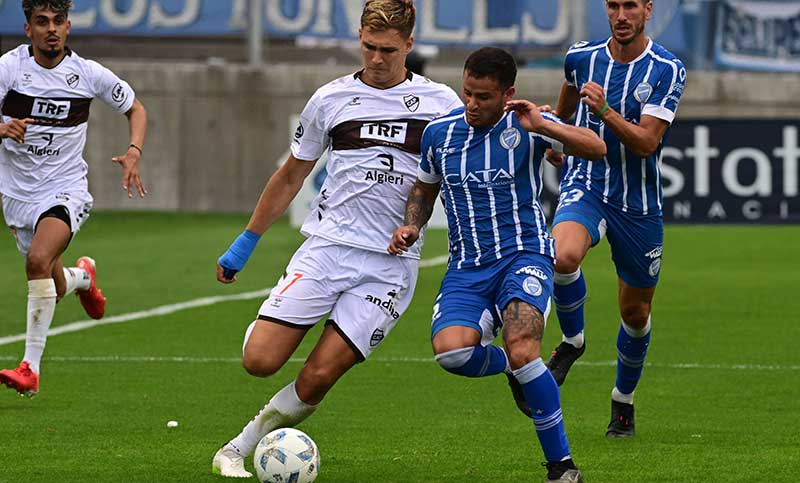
x=58, y=6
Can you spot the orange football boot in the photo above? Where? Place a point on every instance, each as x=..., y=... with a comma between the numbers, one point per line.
x=92, y=299
x=22, y=379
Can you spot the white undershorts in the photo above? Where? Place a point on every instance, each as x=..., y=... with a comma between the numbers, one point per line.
x=22, y=216
x=364, y=292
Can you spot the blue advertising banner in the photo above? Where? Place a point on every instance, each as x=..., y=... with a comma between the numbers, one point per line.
x=758, y=35
x=725, y=171
x=518, y=23
x=440, y=22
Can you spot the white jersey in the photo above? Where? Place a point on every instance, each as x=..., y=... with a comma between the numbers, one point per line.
x=58, y=99
x=374, y=139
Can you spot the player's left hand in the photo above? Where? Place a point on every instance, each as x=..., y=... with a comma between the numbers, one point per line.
x=593, y=96
x=529, y=115
x=130, y=172
x=402, y=239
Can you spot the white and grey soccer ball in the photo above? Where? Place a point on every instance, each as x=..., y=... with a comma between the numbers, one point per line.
x=286, y=455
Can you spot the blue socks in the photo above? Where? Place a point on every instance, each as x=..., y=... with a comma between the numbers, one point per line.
x=475, y=361
x=538, y=385
x=569, y=293
x=631, y=352
x=541, y=393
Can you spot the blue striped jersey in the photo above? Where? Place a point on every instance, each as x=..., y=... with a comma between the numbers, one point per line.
x=650, y=85
x=491, y=179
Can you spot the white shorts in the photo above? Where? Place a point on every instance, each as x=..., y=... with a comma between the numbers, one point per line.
x=364, y=292
x=22, y=216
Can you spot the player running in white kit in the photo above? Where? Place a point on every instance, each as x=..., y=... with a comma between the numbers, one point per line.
x=46, y=90
x=372, y=123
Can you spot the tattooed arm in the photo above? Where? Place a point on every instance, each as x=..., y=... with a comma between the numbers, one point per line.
x=419, y=208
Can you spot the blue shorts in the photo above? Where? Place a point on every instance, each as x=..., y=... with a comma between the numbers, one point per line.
x=636, y=240
x=466, y=293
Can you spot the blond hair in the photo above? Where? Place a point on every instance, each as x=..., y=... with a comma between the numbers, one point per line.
x=383, y=15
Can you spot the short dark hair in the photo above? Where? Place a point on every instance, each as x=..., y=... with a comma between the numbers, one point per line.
x=58, y=6
x=493, y=63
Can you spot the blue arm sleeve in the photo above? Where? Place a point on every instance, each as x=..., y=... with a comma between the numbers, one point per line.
x=234, y=259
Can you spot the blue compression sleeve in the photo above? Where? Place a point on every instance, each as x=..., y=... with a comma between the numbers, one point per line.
x=234, y=259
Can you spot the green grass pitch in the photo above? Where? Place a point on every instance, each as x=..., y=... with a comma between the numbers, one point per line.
x=718, y=401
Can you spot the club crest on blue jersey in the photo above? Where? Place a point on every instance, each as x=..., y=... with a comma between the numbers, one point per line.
x=510, y=138
x=532, y=286
x=643, y=92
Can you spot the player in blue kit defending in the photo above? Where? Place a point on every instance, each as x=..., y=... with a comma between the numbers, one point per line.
x=626, y=89
x=487, y=164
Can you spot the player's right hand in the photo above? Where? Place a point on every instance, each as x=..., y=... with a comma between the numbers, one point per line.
x=528, y=114
x=15, y=129
x=402, y=239
x=226, y=275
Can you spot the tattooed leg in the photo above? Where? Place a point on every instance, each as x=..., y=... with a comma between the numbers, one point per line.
x=523, y=327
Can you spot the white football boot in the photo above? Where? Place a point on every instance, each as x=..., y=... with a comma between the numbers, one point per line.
x=228, y=462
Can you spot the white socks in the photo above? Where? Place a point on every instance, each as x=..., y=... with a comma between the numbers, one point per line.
x=637, y=333
x=566, y=278
x=621, y=397
x=41, y=306
x=77, y=279
x=576, y=340
x=284, y=410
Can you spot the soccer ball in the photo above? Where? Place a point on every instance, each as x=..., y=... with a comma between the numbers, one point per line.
x=286, y=455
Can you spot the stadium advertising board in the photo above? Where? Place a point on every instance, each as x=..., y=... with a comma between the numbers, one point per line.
x=466, y=23
x=725, y=171
x=521, y=24
x=758, y=35
x=732, y=171
x=444, y=22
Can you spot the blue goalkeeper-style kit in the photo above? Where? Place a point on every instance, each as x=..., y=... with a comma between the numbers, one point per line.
x=621, y=195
